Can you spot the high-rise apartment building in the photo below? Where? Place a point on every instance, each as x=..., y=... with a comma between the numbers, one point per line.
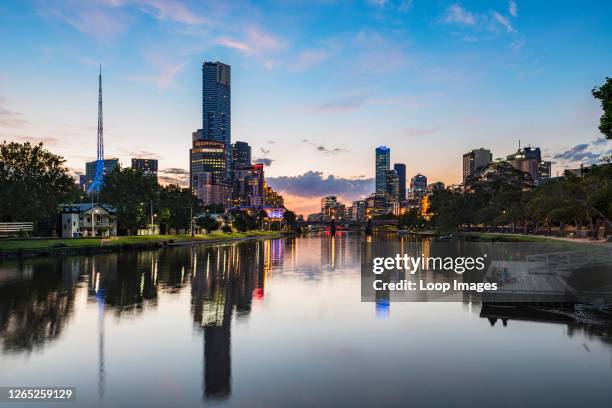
x=216, y=105
x=147, y=166
x=241, y=153
x=418, y=184
x=383, y=163
x=400, y=169
x=475, y=161
x=359, y=210
x=529, y=160
x=391, y=186
x=206, y=156
x=249, y=185
x=90, y=169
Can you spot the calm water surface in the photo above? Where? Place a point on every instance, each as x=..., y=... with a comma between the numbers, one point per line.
x=273, y=323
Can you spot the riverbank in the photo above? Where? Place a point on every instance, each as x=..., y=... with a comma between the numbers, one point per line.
x=506, y=237
x=27, y=248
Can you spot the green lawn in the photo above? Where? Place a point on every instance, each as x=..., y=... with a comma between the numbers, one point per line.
x=26, y=244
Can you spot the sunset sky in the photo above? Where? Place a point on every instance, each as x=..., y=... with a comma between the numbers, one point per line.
x=316, y=85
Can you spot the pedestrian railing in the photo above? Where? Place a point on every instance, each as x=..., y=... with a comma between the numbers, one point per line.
x=14, y=228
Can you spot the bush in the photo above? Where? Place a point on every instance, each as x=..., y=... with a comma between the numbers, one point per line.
x=226, y=229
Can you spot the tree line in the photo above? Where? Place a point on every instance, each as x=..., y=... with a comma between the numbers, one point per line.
x=572, y=200
x=34, y=182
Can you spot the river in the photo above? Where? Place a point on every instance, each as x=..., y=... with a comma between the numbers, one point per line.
x=274, y=323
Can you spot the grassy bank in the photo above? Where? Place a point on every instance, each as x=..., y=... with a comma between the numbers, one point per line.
x=51, y=245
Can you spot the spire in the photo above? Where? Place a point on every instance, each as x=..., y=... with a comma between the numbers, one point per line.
x=98, y=180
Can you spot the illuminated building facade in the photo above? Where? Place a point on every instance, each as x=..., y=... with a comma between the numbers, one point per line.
x=358, y=210
x=207, y=162
x=383, y=164
x=529, y=160
x=475, y=161
x=241, y=153
x=418, y=185
x=216, y=105
x=248, y=185
x=212, y=189
x=147, y=166
x=391, y=186
x=400, y=169
x=90, y=169
x=272, y=198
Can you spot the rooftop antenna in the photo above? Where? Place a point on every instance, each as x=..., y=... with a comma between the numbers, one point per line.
x=98, y=180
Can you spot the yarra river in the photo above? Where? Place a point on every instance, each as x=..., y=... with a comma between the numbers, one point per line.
x=275, y=323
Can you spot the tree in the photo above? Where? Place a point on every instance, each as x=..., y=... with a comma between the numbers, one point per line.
x=33, y=182
x=243, y=221
x=177, y=205
x=411, y=219
x=604, y=94
x=290, y=219
x=208, y=223
x=131, y=193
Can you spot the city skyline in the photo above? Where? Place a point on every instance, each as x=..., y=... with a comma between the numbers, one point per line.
x=430, y=81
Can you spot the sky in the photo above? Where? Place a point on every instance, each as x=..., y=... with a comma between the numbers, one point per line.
x=316, y=85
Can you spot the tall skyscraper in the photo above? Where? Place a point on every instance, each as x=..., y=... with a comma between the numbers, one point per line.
x=216, y=106
x=147, y=166
x=391, y=186
x=400, y=169
x=475, y=161
x=241, y=153
x=383, y=163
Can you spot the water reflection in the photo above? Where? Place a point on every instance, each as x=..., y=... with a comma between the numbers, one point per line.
x=226, y=279
x=224, y=285
x=36, y=302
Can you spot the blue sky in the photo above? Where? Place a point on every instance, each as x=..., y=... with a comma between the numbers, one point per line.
x=317, y=85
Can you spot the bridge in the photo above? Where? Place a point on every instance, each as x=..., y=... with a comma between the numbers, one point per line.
x=350, y=223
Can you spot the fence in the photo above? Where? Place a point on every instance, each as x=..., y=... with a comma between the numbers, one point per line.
x=14, y=228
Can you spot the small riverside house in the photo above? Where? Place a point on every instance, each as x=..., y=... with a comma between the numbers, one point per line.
x=87, y=220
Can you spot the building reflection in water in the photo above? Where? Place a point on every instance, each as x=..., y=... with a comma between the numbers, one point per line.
x=227, y=279
x=37, y=296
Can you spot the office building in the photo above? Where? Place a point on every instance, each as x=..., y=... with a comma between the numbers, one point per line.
x=475, y=161
x=329, y=206
x=391, y=186
x=241, y=153
x=206, y=156
x=383, y=163
x=248, y=185
x=418, y=184
x=213, y=189
x=90, y=169
x=216, y=105
x=529, y=160
x=147, y=166
x=272, y=198
x=359, y=210
x=400, y=169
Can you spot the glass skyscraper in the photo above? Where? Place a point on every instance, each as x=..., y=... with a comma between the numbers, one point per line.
x=216, y=105
x=400, y=169
x=383, y=163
